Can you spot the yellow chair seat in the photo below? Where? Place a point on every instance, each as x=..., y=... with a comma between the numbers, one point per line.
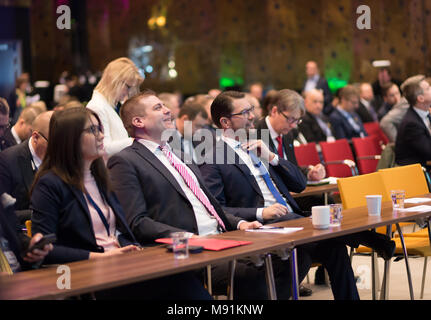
x=415, y=246
x=418, y=234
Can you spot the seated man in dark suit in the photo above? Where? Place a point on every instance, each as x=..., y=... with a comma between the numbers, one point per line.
x=160, y=194
x=19, y=163
x=22, y=129
x=316, y=81
x=413, y=143
x=391, y=96
x=315, y=126
x=5, y=141
x=366, y=109
x=253, y=182
x=346, y=124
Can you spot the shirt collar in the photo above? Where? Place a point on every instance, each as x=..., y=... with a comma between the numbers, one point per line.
x=15, y=135
x=365, y=102
x=151, y=145
x=422, y=113
x=36, y=159
x=272, y=132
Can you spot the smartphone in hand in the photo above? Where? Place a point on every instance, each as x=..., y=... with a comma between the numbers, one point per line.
x=46, y=239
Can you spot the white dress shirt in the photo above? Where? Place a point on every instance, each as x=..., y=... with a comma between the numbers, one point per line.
x=311, y=83
x=15, y=135
x=36, y=162
x=207, y=224
x=268, y=197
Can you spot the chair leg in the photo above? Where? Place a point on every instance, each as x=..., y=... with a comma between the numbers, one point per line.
x=409, y=276
x=269, y=275
x=209, y=280
x=231, y=277
x=424, y=276
x=384, y=294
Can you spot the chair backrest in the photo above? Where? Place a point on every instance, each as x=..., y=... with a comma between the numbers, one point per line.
x=306, y=154
x=373, y=129
x=366, y=149
x=410, y=178
x=354, y=189
x=337, y=150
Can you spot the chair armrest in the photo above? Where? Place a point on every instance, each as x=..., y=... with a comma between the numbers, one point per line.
x=373, y=157
x=351, y=164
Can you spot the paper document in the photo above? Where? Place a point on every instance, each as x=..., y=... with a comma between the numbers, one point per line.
x=417, y=200
x=275, y=229
x=423, y=208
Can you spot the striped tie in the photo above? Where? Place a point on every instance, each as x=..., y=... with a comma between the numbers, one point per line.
x=197, y=191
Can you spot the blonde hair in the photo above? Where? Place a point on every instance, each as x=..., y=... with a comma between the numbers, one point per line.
x=115, y=75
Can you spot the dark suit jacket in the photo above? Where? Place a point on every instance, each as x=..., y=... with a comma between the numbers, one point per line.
x=236, y=189
x=16, y=173
x=61, y=209
x=311, y=130
x=413, y=144
x=364, y=114
x=342, y=128
x=7, y=140
x=322, y=84
x=154, y=202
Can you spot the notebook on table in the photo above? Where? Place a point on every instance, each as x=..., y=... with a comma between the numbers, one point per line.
x=209, y=244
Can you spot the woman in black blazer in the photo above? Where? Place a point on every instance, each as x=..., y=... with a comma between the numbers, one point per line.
x=71, y=197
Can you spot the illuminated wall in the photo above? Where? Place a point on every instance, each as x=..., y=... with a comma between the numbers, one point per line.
x=237, y=41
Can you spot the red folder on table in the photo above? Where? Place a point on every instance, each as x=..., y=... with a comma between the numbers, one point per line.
x=209, y=244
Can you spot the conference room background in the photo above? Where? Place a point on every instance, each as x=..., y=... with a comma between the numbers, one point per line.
x=192, y=46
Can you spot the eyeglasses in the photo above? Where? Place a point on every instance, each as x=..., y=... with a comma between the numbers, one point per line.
x=94, y=129
x=245, y=112
x=291, y=120
x=42, y=135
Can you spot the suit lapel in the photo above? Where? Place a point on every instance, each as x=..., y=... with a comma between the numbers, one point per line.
x=148, y=156
x=419, y=120
x=24, y=162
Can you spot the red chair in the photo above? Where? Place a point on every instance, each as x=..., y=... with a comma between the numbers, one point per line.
x=338, y=158
x=368, y=152
x=306, y=155
x=373, y=129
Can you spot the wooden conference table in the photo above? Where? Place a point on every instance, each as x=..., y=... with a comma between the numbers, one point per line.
x=89, y=276
x=316, y=190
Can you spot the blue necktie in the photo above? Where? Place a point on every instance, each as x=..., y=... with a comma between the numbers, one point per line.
x=265, y=175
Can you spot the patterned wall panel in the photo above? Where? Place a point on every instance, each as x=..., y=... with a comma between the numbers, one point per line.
x=238, y=42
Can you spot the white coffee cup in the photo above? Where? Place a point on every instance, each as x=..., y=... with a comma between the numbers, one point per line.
x=374, y=204
x=320, y=217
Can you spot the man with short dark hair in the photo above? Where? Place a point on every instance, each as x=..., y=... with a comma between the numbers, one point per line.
x=413, y=143
x=19, y=163
x=391, y=96
x=161, y=194
x=345, y=122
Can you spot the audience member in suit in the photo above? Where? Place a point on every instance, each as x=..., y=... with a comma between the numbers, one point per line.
x=19, y=163
x=314, y=125
x=346, y=124
x=255, y=103
x=5, y=142
x=256, y=90
x=72, y=198
x=255, y=183
x=391, y=96
x=383, y=77
x=161, y=194
x=366, y=109
x=413, y=144
x=392, y=120
x=120, y=80
x=14, y=243
x=192, y=117
x=22, y=129
x=170, y=100
x=315, y=81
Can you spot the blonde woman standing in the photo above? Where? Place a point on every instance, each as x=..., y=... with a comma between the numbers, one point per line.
x=120, y=80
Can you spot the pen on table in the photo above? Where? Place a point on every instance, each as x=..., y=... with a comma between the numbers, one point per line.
x=271, y=227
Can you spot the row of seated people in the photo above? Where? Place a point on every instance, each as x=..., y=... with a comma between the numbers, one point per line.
x=148, y=192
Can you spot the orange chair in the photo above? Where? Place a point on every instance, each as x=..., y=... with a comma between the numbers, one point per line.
x=338, y=159
x=368, y=152
x=306, y=154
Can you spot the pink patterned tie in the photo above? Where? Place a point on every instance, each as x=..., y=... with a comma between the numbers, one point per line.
x=197, y=191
